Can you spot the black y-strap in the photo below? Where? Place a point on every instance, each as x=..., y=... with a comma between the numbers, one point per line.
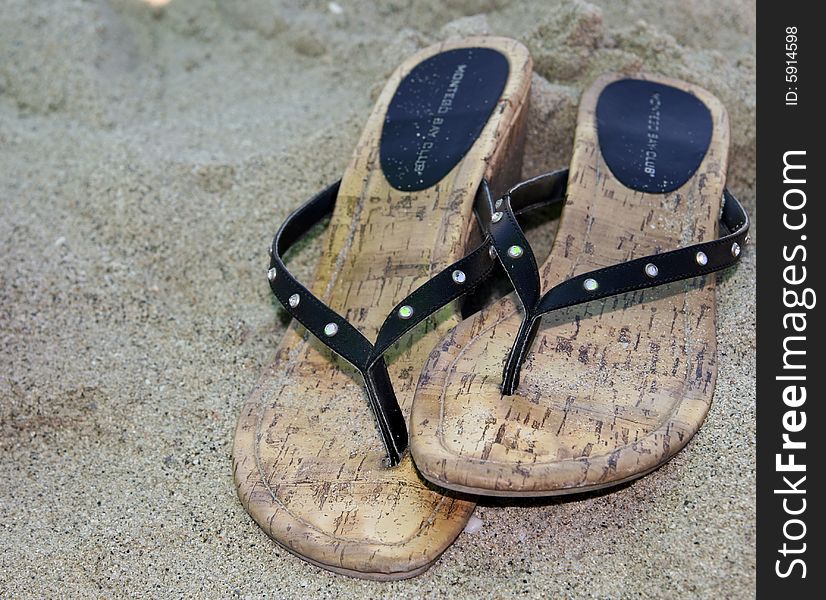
x=345, y=340
x=505, y=240
x=519, y=263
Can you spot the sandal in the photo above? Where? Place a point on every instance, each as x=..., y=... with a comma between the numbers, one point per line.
x=620, y=373
x=308, y=463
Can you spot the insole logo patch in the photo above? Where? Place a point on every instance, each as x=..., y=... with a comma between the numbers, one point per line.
x=437, y=113
x=653, y=137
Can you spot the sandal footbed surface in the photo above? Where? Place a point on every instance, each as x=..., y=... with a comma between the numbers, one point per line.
x=610, y=389
x=308, y=461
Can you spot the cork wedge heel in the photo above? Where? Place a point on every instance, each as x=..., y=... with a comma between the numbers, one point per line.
x=319, y=455
x=619, y=374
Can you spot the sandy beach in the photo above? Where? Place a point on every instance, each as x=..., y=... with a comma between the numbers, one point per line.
x=148, y=153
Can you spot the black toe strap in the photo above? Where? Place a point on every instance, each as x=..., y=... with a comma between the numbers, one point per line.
x=519, y=263
x=517, y=257
x=340, y=336
x=317, y=317
x=657, y=269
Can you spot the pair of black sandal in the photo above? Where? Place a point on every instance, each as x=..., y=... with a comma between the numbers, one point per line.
x=612, y=382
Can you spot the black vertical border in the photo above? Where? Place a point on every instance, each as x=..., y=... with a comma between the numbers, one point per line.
x=782, y=128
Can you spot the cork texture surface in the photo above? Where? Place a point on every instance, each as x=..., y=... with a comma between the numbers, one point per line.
x=307, y=457
x=610, y=389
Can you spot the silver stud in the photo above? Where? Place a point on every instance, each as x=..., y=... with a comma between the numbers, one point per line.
x=590, y=284
x=735, y=249
x=496, y=217
x=271, y=274
x=492, y=252
x=701, y=258
x=651, y=270
x=498, y=204
x=330, y=329
x=294, y=300
x=515, y=251
x=458, y=276
x=748, y=239
x=270, y=250
x=405, y=312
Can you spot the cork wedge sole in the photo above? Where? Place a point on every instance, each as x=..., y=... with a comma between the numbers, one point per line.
x=308, y=463
x=609, y=389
